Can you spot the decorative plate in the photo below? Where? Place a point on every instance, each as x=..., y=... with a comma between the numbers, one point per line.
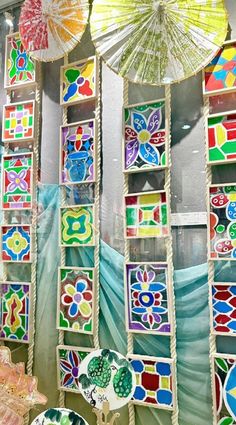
x=59, y=417
x=106, y=375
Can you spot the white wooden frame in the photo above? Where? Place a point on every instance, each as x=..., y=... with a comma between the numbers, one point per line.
x=3, y=226
x=208, y=223
x=160, y=360
x=94, y=153
x=213, y=331
x=30, y=328
x=144, y=170
x=32, y=180
x=220, y=91
x=7, y=86
x=68, y=348
x=76, y=207
x=221, y=114
x=35, y=118
x=96, y=82
x=94, y=289
x=168, y=225
x=169, y=299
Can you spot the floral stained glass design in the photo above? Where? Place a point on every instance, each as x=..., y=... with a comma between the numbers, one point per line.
x=77, y=226
x=17, y=181
x=222, y=220
x=18, y=122
x=78, y=81
x=76, y=303
x=69, y=360
x=20, y=67
x=147, y=298
x=15, y=310
x=16, y=243
x=222, y=138
x=145, y=137
x=77, y=154
x=154, y=381
x=225, y=389
x=147, y=215
x=224, y=308
x=220, y=74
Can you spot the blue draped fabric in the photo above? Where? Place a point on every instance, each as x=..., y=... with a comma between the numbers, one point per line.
x=192, y=314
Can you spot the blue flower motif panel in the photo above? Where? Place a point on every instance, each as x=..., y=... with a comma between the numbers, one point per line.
x=145, y=137
x=16, y=243
x=154, y=381
x=224, y=389
x=78, y=153
x=147, y=291
x=224, y=308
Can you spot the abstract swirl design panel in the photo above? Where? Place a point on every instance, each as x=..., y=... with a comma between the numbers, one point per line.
x=222, y=219
x=18, y=122
x=222, y=138
x=16, y=243
x=145, y=137
x=79, y=81
x=76, y=300
x=220, y=75
x=15, y=311
x=69, y=360
x=147, y=298
x=147, y=215
x=225, y=388
x=17, y=172
x=20, y=67
x=78, y=153
x=154, y=381
x=77, y=226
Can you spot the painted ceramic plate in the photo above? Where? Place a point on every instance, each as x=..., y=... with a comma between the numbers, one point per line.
x=106, y=375
x=59, y=417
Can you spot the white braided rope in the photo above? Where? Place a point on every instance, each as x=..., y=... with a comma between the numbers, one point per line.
x=97, y=211
x=211, y=268
x=169, y=254
x=130, y=339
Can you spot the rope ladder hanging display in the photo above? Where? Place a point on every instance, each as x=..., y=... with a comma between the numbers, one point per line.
x=147, y=147
x=80, y=168
x=219, y=90
x=20, y=165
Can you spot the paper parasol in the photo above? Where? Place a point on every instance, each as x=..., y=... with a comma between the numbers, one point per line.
x=158, y=42
x=106, y=376
x=49, y=29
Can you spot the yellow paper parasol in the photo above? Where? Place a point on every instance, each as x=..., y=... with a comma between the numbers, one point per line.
x=49, y=29
x=158, y=41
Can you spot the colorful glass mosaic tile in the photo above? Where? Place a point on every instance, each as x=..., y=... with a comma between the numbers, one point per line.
x=15, y=310
x=154, y=381
x=145, y=137
x=20, y=67
x=222, y=232
x=147, y=298
x=78, y=81
x=224, y=389
x=147, y=215
x=222, y=138
x=17, y=171
x=224, y=308
x=77, y=226
x=78, y=153
x=220, y=74
x=18, y=122
x=76, y=301
x=69, y=360
x=16, y=243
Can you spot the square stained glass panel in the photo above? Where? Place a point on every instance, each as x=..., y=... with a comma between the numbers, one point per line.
x=221, y=138
x=223, y=309
x=147, y=308
x=18, y=121
x=147, y=215
x=145, y=137
x=224, y=368
x=19, y=66
x=77, y=226
x=15, y=311
x=16, y=243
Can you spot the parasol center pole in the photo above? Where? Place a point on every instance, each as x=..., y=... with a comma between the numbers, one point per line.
x=158, y=6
